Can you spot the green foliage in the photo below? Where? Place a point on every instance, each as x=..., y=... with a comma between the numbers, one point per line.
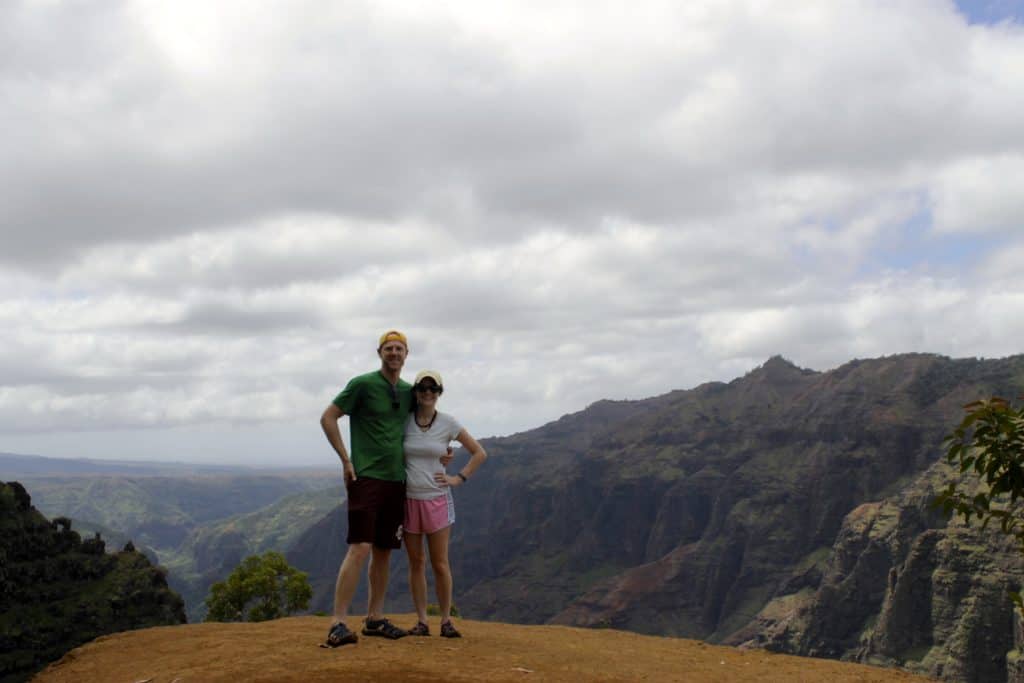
x=58, y=592
x=988, y=444
x=263, y=587
x=181, y=522
x=434, y=610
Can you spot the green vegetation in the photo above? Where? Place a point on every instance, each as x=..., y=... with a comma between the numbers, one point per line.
x=199, y=528
x=988, y=446
x=160, y=511
x=58, y=591
x=212, y=550
x=434, y=610
x=274, y=527
x=988, y=443
x=263, y=587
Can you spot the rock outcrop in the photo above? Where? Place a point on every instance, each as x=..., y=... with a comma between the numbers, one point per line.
x=905, y=588
x=58, y=591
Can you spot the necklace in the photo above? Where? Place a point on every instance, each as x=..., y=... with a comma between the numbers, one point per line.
x=429, y=424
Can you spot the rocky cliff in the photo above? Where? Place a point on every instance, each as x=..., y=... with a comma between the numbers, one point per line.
x=699, y=508
x=58, y=591
x=905, y=587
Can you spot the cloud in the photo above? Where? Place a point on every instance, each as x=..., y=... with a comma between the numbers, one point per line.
x=213, y=116
x=980, y=196
x=210, y=212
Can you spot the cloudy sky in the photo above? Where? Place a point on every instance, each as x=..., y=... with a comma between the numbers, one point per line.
x=210, y=211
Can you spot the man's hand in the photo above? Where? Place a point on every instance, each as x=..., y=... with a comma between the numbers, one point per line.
x=350, y=472
x=448, y=457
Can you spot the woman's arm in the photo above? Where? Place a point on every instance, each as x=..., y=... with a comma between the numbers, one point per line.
x=477, y=455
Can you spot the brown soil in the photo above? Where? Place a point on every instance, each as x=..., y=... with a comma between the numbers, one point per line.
x=287, y=650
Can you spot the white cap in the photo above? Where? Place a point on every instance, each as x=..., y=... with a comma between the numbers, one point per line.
x=432, y=374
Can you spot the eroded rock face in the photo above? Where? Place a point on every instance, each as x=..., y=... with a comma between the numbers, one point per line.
x=905, y=588
x=58, y=592
x=757, y=475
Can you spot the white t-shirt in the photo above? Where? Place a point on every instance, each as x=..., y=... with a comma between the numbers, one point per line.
x=423, y=451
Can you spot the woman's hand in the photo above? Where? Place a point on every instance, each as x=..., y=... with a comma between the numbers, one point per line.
x=444, y=480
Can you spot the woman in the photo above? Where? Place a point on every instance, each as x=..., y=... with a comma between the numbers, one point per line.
x=429, y=509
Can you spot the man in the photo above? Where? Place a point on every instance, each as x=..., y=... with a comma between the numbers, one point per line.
x=378, y=405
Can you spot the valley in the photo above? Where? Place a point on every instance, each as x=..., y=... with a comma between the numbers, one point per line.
x=198, y=526
x=787, y=509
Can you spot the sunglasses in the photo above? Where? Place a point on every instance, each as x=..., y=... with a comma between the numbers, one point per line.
x=432, y=388
x=394, y=397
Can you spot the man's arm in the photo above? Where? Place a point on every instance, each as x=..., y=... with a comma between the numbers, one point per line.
x=329, y=423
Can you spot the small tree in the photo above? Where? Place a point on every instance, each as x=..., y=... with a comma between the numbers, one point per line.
x=990, y=442
x=434, y=610
x=263, y=587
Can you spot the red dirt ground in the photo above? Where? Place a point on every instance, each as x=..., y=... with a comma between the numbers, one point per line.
x=287, y=650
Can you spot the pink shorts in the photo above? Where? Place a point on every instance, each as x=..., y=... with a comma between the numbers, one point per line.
x=428, y=516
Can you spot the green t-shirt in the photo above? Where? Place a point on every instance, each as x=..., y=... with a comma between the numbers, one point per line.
x=377, y=414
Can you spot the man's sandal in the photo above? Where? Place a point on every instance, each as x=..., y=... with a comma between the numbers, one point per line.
x=448, y=630
x=420, y=629
x=340, y=635
x=383, y=628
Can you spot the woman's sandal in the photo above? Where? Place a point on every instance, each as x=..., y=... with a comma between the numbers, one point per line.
x=448, y=631
x=420, y=629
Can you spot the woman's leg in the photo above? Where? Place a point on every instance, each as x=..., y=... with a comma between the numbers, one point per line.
x=438, y=544
x=417, y=573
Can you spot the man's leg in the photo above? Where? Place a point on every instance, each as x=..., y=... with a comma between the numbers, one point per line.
x=390, y=513
x=348, y=578
x=376, y=624
x=379, y=559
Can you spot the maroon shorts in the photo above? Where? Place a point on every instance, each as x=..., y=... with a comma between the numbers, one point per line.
x=375, y=511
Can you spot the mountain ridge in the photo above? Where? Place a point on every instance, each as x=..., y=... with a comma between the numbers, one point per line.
x=16, y=465
x=691, y=513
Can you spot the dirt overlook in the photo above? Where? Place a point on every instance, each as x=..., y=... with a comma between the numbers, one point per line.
x=287, y=650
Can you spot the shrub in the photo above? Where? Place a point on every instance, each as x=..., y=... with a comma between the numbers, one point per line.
x=434, y=610
x=261, y=588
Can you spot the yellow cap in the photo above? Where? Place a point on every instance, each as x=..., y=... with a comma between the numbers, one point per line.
x=390, y=336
